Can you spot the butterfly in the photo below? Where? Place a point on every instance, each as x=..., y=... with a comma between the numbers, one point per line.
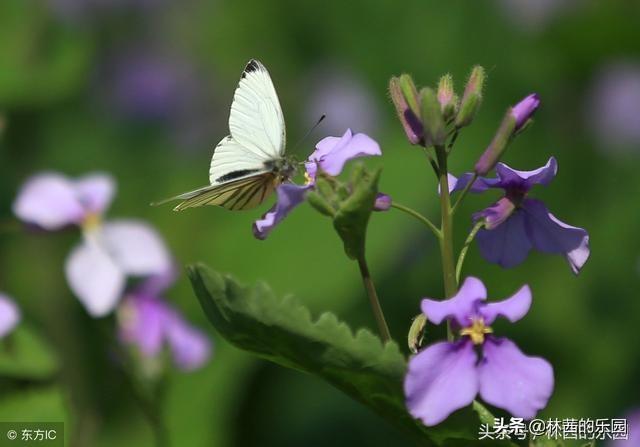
x=250, y=163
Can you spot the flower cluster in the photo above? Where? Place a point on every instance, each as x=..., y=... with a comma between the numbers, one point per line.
x=446, y=376
x=110, y=253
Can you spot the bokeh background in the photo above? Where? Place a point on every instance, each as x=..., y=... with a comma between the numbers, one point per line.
x=141, y=89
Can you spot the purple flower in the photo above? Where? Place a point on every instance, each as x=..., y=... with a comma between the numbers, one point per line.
x=149, y=323
x=447, y=376
x=613, y=112
x=525, y=109
x=331, y=155
x=633, y=433
x=98, y=267
x=516, y=223
x=9, y=315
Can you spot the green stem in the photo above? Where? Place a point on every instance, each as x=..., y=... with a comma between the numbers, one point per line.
x=464, y=192
x=446, y=231
x=465, y=247
x=418, y=216
x=373, y=299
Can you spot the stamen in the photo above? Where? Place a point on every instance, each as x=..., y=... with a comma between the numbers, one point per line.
x=91, y=222
x=476, y=331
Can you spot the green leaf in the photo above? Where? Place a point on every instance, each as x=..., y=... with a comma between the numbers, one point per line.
x=25, y=355
x=282, y=331
x=352, y=217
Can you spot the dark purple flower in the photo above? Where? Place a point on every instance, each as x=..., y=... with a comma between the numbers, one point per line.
x=447, y=376
x=516, y=223
x=9, y=315
x=111, y=251
x=525, y=109
x=148, y=322
x=331, y=154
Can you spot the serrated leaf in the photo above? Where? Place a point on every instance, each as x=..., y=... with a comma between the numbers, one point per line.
x=283, y=331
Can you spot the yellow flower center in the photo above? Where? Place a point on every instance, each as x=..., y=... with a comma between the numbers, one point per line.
x=307, y=179
x=476, y=331
x=91, y=222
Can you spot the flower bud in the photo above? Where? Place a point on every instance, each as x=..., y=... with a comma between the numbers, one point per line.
x=514, y=121
x=524, y=110
x=446, y=97
x=435, y=131
x=405, y=99
x=471, y=98
x=382, y=203
x=496, y=148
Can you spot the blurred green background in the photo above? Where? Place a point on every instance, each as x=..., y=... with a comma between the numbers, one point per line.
x=141, y=89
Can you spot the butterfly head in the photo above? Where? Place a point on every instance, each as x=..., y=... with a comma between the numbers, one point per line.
x=284, y=168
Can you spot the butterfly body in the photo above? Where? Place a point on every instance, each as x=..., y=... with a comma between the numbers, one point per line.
x=250, y=163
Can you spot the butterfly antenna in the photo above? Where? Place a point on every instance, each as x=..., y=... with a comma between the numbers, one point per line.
x=301, y=140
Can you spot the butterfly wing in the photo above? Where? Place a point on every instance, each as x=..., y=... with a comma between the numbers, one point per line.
x=240, y=194
x=257, y=128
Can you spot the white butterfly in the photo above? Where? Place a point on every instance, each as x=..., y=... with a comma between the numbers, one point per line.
x=250, y=163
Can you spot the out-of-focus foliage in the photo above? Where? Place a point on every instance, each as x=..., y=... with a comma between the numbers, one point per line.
x=63, y=71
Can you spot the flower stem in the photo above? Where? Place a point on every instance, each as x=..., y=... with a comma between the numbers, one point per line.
x=464, y=192
x=418, y=216
x=373, y=299
x=465, y=247
x=446, y=231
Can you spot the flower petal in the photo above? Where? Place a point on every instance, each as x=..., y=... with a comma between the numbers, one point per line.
x=441, y=379
x=94, y=277
x=332, y=152
x=506, y=245
x=190, y=347
x=95, y=192
x=152, y=286
x=382, y=203
x=512, y=381
x=141, y=322
x=550, y=235
x=496, y=214
x=290, y=196
x=512, y=178
x=136, y=247
x=461, y=306
x=525, y=109
x=512, y=308
x=48, y=200
x=9, y=315
x=459, y=183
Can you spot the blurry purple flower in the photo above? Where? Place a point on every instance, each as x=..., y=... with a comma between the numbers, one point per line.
x=9, y=315
x=97, y=268
x=147, y=321
x=516, y=223
x=330, y=155
x=148, y=85
x=525, y=109
x=382, y=203
x=613, y=109
x=447, y=376
x=633, y=432
x=533, y=15
x=343, y=99
x=80, y=10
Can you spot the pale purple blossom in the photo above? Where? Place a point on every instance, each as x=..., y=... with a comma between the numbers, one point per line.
x=341, y=97
x=151, y=324
x=331, y=155
x=632, y=420
x=534, y=15
x=447, y=376
x=110, y=252
x=516, y=223
x=613, y=108
x=9, y=315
